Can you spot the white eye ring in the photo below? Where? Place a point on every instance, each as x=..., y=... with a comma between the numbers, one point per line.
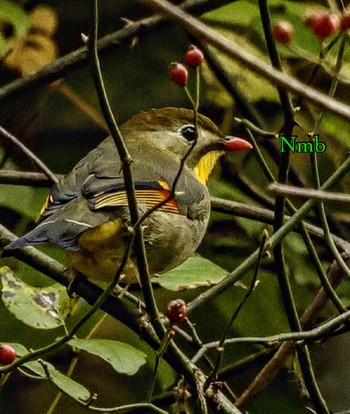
x=189, y=132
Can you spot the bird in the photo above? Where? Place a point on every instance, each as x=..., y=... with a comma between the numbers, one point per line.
x=173, y=152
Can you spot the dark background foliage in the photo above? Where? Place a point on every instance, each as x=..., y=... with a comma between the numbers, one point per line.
x=55, y=122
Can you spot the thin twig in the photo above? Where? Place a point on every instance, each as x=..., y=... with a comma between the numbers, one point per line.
x=126, y=167
x=309, y=193
x=34, y=179
x=253, y=128
x=266, y=216
x=29, y=154
x=311, y=335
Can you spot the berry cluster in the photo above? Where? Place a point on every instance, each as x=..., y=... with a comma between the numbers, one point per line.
x=323, y=24
x=178, y=71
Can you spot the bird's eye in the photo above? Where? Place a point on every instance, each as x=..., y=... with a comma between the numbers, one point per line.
x=189, y=132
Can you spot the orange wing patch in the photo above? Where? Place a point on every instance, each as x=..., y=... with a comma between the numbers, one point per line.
x=149, y=197
x=150, y=194
x=48, y=202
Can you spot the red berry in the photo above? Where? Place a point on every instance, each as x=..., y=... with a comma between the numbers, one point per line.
x=7, y=354
x=194, y=56
x=178, y=73
x=176, y=311
x=283, y=32
x=345, y=20
x=323, y=24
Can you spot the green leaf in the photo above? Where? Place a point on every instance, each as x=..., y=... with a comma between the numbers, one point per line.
x=15, y=15
x=236, y=13
x=124, y=358
x=64, y=383
x=40, y=308
x=194, y=272
x=67, y=385
x=36, y=368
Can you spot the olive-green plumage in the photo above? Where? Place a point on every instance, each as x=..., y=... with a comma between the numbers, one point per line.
x=87, y=211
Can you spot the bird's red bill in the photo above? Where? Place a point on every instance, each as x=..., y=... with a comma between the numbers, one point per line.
x=237, y=144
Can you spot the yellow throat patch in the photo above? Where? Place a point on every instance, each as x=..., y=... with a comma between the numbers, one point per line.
x=206, y=165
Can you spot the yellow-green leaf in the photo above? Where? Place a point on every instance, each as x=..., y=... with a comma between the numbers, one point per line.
x=124, y=358
x=194, y=272
x=41, y=308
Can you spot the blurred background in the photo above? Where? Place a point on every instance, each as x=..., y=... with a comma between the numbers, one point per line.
x=62, y=121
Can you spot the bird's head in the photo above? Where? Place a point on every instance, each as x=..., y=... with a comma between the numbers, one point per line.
x=176, y=130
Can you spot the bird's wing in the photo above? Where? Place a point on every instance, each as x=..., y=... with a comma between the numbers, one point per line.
x=100, y=200
x=110, y=194
x=103, y=158
x=64, y=226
